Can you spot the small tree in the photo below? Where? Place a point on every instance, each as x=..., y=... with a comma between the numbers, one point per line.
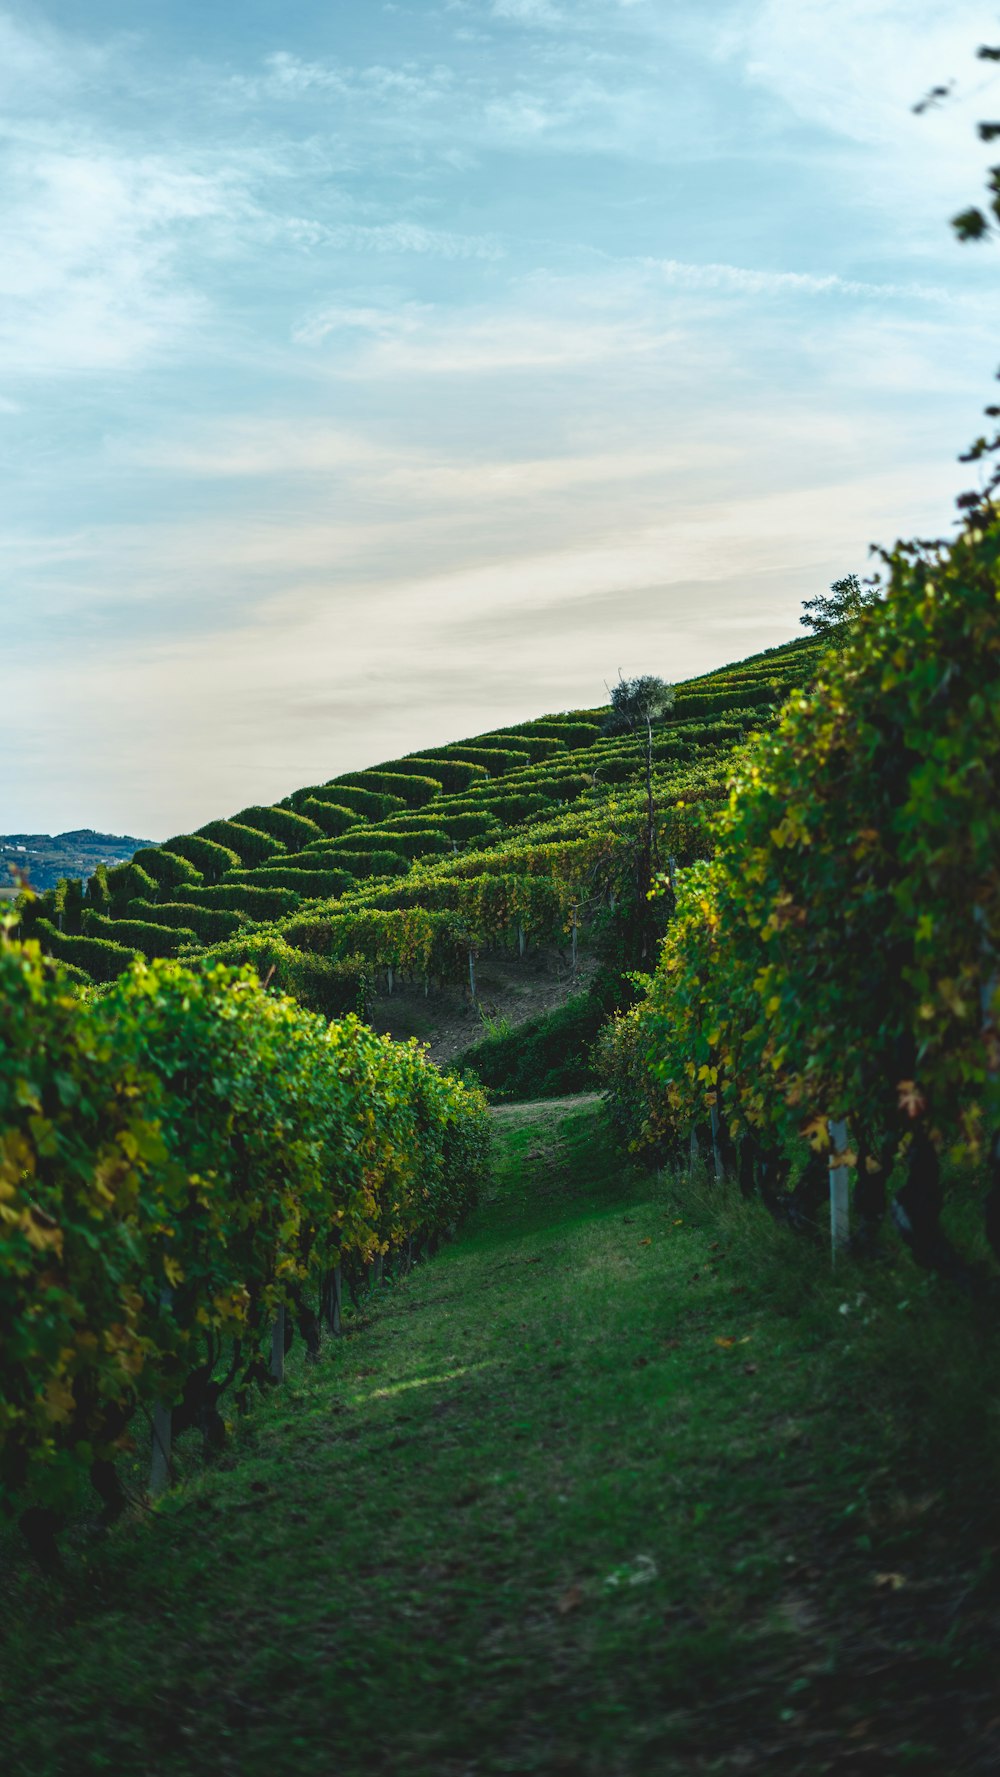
x=830, y=614
x=635, y=705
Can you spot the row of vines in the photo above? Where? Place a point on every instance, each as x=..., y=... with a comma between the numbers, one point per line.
x=182, y=1157
x=837, y=959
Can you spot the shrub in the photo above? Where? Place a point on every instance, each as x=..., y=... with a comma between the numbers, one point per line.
x=328, y=985
x=137, y=934
x=209, y=924
x=206, y=855
x=258, y=903
x=98, y=957
x=308, y=877
x=409, y=790
x=541, y=1058
x=250, y=845
x=453, y=775
x=368, y=805
x=572, y=734
x=179, y=1157
x=363, y=864
x=332, y=818
x=125, y=882
x=294, y=830
x=533, y=746
x=168, y=869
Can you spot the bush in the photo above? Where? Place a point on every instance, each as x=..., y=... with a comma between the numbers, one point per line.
x=209, y=924
x=137, y=934
x=294, y=830
x=310, y=878
x=465, y=824
x=206, y=855
x=362, y=864
x=125, y=882
x=98, y=957
x=573, y=734
x=328, y=985
x=495, y=760
x=453, y=775
x=168, y=869
x=179, y=1157
x=533, y=746
x=250, y=844
x=332, y=818
x=368, y=805
x=545, y=1057
x=411, y=791
x=836, y=960
x=257, y=903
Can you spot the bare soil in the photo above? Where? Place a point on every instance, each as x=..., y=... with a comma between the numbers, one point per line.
x=508, y=988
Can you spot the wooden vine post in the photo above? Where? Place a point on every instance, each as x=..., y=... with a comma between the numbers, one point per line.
x=717, y=1146
x=159, y=1467
x=574, y=937
x=840, y=1190
x=472, y=973
x=163, y=1417
x=278, y=1347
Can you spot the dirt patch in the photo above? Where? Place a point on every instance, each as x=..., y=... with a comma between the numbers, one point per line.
x=508, y=988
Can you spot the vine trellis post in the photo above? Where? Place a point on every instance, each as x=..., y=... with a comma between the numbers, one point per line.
x=278, y=1347
x=163, y=1418
x=717, y=1146
x=840, y=1190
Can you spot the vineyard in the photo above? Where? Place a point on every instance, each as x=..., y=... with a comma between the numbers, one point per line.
x=209, y=1162
x=407, y=869
x=827, y=1000
x=191, y=1168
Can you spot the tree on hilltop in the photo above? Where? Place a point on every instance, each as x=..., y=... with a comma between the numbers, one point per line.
x=831, y=613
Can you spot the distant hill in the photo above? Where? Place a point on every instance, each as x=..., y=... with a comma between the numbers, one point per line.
x=45, y=857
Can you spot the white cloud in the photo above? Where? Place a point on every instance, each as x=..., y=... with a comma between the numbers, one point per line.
x=856, y=68
x=89, y=277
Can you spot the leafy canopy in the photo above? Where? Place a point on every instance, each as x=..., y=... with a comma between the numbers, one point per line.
x=635, y=703
x=830, y=614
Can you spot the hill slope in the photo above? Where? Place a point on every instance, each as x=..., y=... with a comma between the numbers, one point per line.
x=417, y=866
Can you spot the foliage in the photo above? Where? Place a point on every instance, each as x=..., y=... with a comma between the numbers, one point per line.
x=829, y=614
x=177, y=1158
x=331, y=818
x=544, y=1057
x=207, y=923
x=449, y=773
x=637, y=703
x=839, y=957
x=412, y=789
x=124, y=882
x=295, y=830
x=100, y=958
x=250, y=844
x=152, y=938
x=168, y=869
x=212, y=859
x=245, y=897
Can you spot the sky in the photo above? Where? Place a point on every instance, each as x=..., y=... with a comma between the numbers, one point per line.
x=373, y=374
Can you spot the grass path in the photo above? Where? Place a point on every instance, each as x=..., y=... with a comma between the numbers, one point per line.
x=586, y=1494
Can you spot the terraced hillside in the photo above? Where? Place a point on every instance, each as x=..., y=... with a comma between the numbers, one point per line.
x=413, y=869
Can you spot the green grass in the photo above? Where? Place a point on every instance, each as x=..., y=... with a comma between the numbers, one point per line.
x=611, y=1486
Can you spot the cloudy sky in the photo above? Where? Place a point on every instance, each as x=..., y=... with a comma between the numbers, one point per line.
x=372, y=374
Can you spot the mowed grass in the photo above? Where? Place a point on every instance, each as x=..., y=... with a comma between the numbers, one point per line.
x=611, y=1486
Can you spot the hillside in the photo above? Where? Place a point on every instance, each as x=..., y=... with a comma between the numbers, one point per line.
x=409, y=887
x=44, y=858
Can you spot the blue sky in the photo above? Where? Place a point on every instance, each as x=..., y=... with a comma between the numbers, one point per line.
x=374, y=374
